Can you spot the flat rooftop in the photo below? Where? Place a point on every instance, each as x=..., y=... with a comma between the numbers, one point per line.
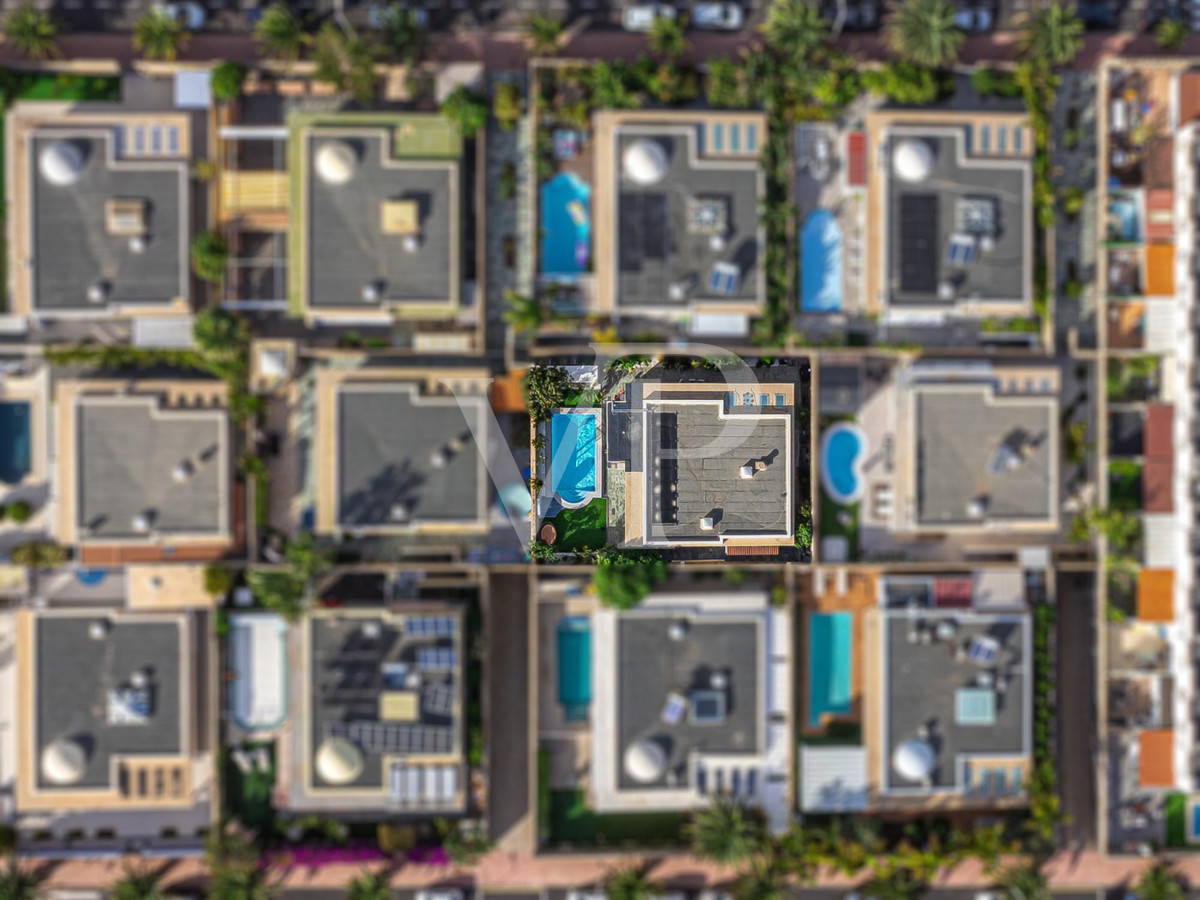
x=404, y=458
x=922, y=684
x=390, y=685
x=651, y=666
x=666, y=227
x=81, y=688
x=75, y=216
x=983, y=457
x=352, y=239
x=980, y=199
x=693, y=460
x=138, y=459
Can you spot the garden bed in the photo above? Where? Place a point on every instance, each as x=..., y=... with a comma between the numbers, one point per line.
x=247, y=795
x=1124, y=485
x=583, y=528
x=572, y=822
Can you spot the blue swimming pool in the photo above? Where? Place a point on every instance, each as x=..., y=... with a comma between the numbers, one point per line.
x=573, y=456
x=821, y=263
x=829, y=665
x=15, y=437
x=575, y=667
x=1124, y=220
x=843, y=452
x=566, y=226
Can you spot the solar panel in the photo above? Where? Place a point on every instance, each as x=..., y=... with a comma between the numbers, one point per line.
x=395, y=737
x=918, y=227
x=430, y=626
x=441, y=659
x=438, y=700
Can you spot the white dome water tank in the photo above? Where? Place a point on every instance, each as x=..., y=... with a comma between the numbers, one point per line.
x=336, y=162
x=645, y=761
x=914, y=760
x=61, y=163
x=338, y=761
x=63, y=762
x=645, y=162
x=912, y=160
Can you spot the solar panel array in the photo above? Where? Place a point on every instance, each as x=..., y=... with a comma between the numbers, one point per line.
x=438, y=699
x=395, y=737
x=918, y=227
x=437, y=659
x=429, y=626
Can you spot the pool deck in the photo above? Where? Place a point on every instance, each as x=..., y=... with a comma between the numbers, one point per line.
x=839, y=590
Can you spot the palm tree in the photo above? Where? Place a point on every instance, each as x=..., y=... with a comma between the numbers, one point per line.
x=629, y=884
x=370, y=886
x=1024, y=882
x=795, y=29
x=666, y=37
x=233, y=860
x=17, y=883
x=1160, y=882
x=763, y=881
x=33, y=32
x=724, y=833
x=280, y=32
x=924, y=32
x=1172, y=34
x=142, y=883
x=1052, y=33
x=544, y=34
x=403, y=34
x=159, y=35
x=526, y=314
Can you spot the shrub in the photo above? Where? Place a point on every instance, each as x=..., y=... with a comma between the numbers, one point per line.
x=506, y=105
x=466, y=110
x=904, y=83
x=39, y=555
x=209, y=253
x=227, y=79
x=218, y=580
x=989, y=82
x=544, y=390
x=20, y=511
x=624, y=579
x=395, y=839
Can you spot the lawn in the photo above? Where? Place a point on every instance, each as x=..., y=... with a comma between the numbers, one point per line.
x=583, y=527
x=248, y=794
x=1176, y=810
x=1125, y=484
x=571, y=822
x=830, y=523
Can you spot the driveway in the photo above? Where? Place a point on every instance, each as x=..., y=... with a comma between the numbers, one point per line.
x=1077, y=728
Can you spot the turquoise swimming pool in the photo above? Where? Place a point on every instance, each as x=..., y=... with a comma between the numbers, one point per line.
x=821, y=263
x=829, y=661
x=566, y=226
x=575, y=667
x=843, y=451
x=16, y=455
x=573, y=456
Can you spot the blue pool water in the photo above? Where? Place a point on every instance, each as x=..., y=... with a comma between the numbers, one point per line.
x=829, y=661
x=15, y=451
x=1195, y=821
x=843, y=450
x=566, y=242
x=1123, y=218
x=573, y=456
x=821, y=263
x=575, y=667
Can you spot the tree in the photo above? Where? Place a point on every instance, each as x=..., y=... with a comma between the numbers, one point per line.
x=466, y=110
x=279, y=592
x=159, y=35
x=345, y=61
x=667, y=38
x=923, y=32
x=723, y=87
x=544, y=34
x=227, y=80
x=1052, y=33
x=218, y=332
x=138, y=883
x=209, y=253
x=610, y=86
x=305, y=558
x=402, y=33
x=795, y=30
x=464, y=846
x=526, y=314
x=629, y=884
x=17, y=883
x=1172, y=34
x=763, y=881
x=623, y=579
x=32, y=31
x=280, y=32
x=904, y=83
x=370, y=886
x=544, y=390
x=893, y=882
x=1024, y=882
x=506, y=105
x=38, y=555
x=725, y=833
x=1160, y=882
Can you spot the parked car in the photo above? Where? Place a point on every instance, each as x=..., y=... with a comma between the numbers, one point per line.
x=718, y=16
x=189, y=14
x=641, y=16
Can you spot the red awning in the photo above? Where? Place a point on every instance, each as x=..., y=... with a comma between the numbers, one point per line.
x=856, y=159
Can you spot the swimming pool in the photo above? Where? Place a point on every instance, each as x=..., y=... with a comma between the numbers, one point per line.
x=574, y=460
x=843, y=451
x=829, y=661
x=821, y=263
x=15, y=452
x=575, y=667
x=1124, y=220
x=566, y=226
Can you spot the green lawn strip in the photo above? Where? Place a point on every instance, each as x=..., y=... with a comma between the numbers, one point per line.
x=248, y=794
x=583, y=527
x=1124, y=484
x=829, y=522
x=571, y=822
x=1176, y=811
